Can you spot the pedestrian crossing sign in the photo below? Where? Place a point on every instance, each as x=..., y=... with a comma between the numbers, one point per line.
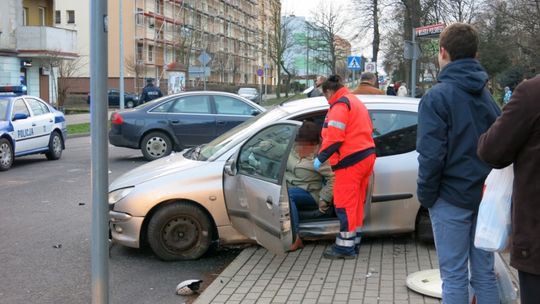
x=354, y=63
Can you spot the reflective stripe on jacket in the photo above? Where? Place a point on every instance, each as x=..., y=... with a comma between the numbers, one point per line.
x=347, y=131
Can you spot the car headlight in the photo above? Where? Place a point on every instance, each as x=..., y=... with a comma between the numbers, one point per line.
x=119, y=194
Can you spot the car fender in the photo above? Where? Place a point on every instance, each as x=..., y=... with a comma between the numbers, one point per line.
x=203, y=189
x=6, y=128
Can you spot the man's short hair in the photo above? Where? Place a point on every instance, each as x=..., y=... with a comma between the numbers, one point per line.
x=460, y=40
x=367, y=76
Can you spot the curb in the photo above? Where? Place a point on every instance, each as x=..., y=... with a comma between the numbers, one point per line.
x=76, y=135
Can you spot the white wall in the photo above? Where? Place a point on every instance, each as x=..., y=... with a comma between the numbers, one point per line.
x=32, y=79
x=82, y=26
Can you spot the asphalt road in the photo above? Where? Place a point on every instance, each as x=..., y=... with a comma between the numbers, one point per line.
x=45, y=233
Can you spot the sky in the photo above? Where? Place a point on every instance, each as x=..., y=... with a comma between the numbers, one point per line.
x=305, y=7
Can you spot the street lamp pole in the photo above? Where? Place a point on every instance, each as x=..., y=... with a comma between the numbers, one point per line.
x=121, y=59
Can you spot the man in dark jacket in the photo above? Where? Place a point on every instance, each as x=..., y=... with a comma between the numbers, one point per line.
x=150, y=91
x=317, y=91
x=451, y=117
x=515, y=138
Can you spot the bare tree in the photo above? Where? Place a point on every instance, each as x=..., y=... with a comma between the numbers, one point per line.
x=279, y=45
x=459, y=10
x=136, y=67
x=369, y=19
x=328, y=22
x=63, y=70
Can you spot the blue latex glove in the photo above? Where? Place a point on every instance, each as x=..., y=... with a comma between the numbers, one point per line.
x=316, y=164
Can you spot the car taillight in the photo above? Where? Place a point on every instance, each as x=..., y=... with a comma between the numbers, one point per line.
x=117, y=119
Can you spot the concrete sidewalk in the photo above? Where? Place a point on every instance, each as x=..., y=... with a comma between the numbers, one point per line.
x=378, y=275
x=72, y=119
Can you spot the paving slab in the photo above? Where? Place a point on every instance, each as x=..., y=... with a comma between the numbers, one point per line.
x=377, y=275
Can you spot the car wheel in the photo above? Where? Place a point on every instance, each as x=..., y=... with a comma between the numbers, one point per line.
x=6, y=154
x=424, y=231
x=179, y=231
x=156, y=145
x=55, y=147
x=130, y=104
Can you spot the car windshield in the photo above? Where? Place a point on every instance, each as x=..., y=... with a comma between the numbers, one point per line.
x=247, y=91
x=235, y=135
x=3, y=109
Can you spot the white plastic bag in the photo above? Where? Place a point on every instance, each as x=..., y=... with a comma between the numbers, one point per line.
x=494, y=222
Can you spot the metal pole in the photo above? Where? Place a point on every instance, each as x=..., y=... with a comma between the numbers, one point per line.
x=100, y=178
x=265, y=81
x=413, y=62
x=121, y=59
x=353, y=77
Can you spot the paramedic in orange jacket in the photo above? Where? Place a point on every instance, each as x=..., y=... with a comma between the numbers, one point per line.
x=348, y=145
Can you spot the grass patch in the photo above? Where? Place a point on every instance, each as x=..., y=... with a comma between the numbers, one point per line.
x=275, y=101
x=78, y=128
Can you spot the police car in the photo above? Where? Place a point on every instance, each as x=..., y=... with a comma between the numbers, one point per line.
x=28, y=125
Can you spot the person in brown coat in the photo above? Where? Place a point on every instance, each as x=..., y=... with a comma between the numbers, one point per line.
x=515, y=138
x=367, y=85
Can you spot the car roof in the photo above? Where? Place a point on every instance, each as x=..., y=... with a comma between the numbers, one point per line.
x=191, y=93
x=316, y=102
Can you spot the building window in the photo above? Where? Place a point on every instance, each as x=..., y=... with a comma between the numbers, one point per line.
x=139, y=51
x=150, y=53
x=139, y=19
x=158, y=7
x=25, y=16
x=70, y=17
x=57, y=17
x=41, y=16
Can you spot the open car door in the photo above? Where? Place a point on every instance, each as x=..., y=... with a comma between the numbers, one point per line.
x=255, y=189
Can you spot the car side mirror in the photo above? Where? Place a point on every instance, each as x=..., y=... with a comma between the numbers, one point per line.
x=230, y=167
x=255, y=112
x=19, y=116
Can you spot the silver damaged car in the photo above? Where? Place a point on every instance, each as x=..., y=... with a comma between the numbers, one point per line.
x=183, y=204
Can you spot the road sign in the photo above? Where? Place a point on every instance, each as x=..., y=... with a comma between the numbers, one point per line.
x=260, y=72
x=204, y=58
x=429, y=30
x=371, y=67
x=354, y=63
x=411, y=51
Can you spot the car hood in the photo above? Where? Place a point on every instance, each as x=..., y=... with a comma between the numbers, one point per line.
x=173, y=163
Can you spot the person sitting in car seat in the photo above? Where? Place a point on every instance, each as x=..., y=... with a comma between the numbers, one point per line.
x=310, y=191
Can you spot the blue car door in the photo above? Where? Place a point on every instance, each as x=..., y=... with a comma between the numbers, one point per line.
x=231, y=112
x=192, y=120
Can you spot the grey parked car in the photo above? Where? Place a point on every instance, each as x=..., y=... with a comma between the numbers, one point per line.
x=174, y=122
x=184, y=203
x=249, y=93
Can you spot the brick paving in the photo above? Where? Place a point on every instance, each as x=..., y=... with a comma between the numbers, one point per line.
x=377, y=275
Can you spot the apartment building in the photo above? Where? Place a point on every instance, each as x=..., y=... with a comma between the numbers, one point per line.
x=218, y=41
x=31, y=48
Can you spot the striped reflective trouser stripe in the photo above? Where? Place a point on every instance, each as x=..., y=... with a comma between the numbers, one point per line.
x=358, y=236
x=346, y=239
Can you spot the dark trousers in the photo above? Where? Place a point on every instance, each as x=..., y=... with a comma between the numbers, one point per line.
x=529, y=288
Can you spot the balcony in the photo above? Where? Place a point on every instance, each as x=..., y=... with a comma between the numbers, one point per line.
x=44, y=41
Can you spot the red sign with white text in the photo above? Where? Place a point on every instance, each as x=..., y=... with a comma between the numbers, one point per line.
x=430, y=30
